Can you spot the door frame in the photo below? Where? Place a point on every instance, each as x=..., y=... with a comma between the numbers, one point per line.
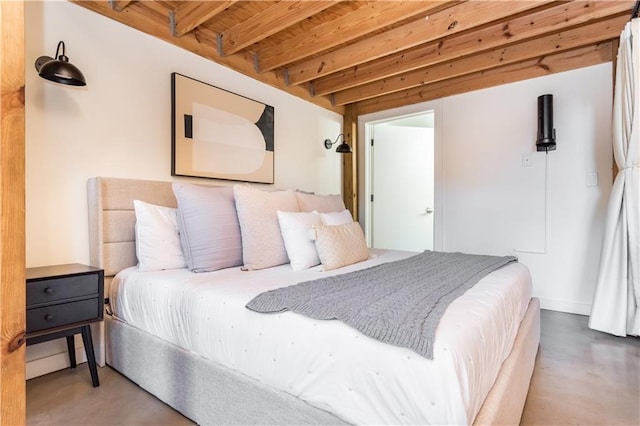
x=365, y=125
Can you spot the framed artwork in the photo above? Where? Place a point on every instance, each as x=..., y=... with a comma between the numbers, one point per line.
x=219, y=135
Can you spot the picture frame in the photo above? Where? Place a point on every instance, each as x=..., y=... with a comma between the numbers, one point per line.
x=218, y=134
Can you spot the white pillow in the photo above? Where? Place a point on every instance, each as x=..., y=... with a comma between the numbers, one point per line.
x=340, y=245
x=262, y=243
x=320, y=203
x=297, y=233
x=338, y=218
x=157, y=241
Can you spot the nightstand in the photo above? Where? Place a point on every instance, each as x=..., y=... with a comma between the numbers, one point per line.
x=62, y=301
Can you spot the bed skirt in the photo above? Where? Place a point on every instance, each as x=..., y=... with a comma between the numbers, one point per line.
x=505, y=401
x=209, y=393
x=205, y=392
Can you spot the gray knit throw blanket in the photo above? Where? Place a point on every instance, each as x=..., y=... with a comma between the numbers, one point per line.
x=399, y=302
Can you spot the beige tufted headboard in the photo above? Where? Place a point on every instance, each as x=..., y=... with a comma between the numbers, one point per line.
x=112, y=219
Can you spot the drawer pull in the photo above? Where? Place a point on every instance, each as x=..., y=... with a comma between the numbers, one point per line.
x=48, y=317
x=48, y=290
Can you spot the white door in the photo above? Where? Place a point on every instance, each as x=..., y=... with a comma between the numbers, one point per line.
x=402, y=183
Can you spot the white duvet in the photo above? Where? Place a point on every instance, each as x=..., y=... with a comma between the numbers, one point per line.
x=328, y=363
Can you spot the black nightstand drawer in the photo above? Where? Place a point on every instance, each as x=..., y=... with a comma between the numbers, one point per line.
x=63, y=314
x=53, y=289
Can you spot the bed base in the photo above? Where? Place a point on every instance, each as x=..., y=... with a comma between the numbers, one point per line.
x=209, y=393
x=505, y=401
x=206, y=392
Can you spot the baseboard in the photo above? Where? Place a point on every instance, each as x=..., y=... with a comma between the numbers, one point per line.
x=565, y=306
x=54, y=362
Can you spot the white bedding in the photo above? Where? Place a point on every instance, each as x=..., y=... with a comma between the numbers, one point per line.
x=327, y=363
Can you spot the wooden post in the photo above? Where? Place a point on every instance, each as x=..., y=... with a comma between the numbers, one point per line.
x=12, y=221
x=350, y=161
x=615, y=44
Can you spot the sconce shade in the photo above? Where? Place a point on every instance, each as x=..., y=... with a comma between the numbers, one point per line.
x=343, y=148
x=60, y=70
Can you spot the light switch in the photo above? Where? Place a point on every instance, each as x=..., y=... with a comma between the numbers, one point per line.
x=526, y=160
x=592, y=178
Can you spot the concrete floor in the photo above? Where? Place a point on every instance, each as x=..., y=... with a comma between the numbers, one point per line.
x=581, y=377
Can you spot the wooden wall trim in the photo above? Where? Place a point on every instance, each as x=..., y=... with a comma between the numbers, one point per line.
x=350, y=161
x=615, y=45
x=12, y=220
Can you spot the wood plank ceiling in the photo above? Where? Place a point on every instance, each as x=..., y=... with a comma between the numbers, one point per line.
x=376, y=55
x=359, y=57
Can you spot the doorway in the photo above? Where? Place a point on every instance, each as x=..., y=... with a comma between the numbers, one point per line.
x=401, y=182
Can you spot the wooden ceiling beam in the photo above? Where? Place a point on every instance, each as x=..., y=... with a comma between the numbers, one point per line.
x=547, y=21
x=119, y=5
x=191, y=14
x=532, y=48
x=368, y=18
x=537, y=67
x=432, y=27
x=202, y=43
x=270, y=21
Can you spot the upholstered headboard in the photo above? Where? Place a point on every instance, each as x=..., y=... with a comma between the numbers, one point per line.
x=112, y=219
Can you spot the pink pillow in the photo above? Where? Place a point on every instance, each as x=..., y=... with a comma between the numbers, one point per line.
x=340, y=245
x=319, y=203
x=262, y=244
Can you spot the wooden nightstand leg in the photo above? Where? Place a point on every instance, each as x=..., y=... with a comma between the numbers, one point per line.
x=71, y=347
x=91, y=356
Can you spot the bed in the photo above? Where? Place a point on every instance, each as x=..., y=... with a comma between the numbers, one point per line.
x=285, y=379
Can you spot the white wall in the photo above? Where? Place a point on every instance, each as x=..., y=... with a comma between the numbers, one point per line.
x=491, y=204
x=120, y=125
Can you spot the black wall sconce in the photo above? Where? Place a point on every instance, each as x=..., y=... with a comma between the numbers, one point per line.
x=546, y=140
x=343, y=148
x=59, y=69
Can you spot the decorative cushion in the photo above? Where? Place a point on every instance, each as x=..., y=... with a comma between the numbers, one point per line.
x=157, y=242
x=297, y=233
x=208, y=227
x=340, y=245
x=262, y=243
x=337, y=218
x=319, y=203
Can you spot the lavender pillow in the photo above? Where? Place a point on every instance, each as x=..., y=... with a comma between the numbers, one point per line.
x=208, y=227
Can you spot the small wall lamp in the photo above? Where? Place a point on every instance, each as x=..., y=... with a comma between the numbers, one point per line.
x=59, y=69
x=343, y=148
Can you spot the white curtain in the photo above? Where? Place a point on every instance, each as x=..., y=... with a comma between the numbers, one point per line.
x=616, y=303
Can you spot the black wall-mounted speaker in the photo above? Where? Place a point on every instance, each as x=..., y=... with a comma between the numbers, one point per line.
x=546, y=140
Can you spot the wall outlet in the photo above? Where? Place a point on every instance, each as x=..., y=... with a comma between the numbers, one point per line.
x=527, y=161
